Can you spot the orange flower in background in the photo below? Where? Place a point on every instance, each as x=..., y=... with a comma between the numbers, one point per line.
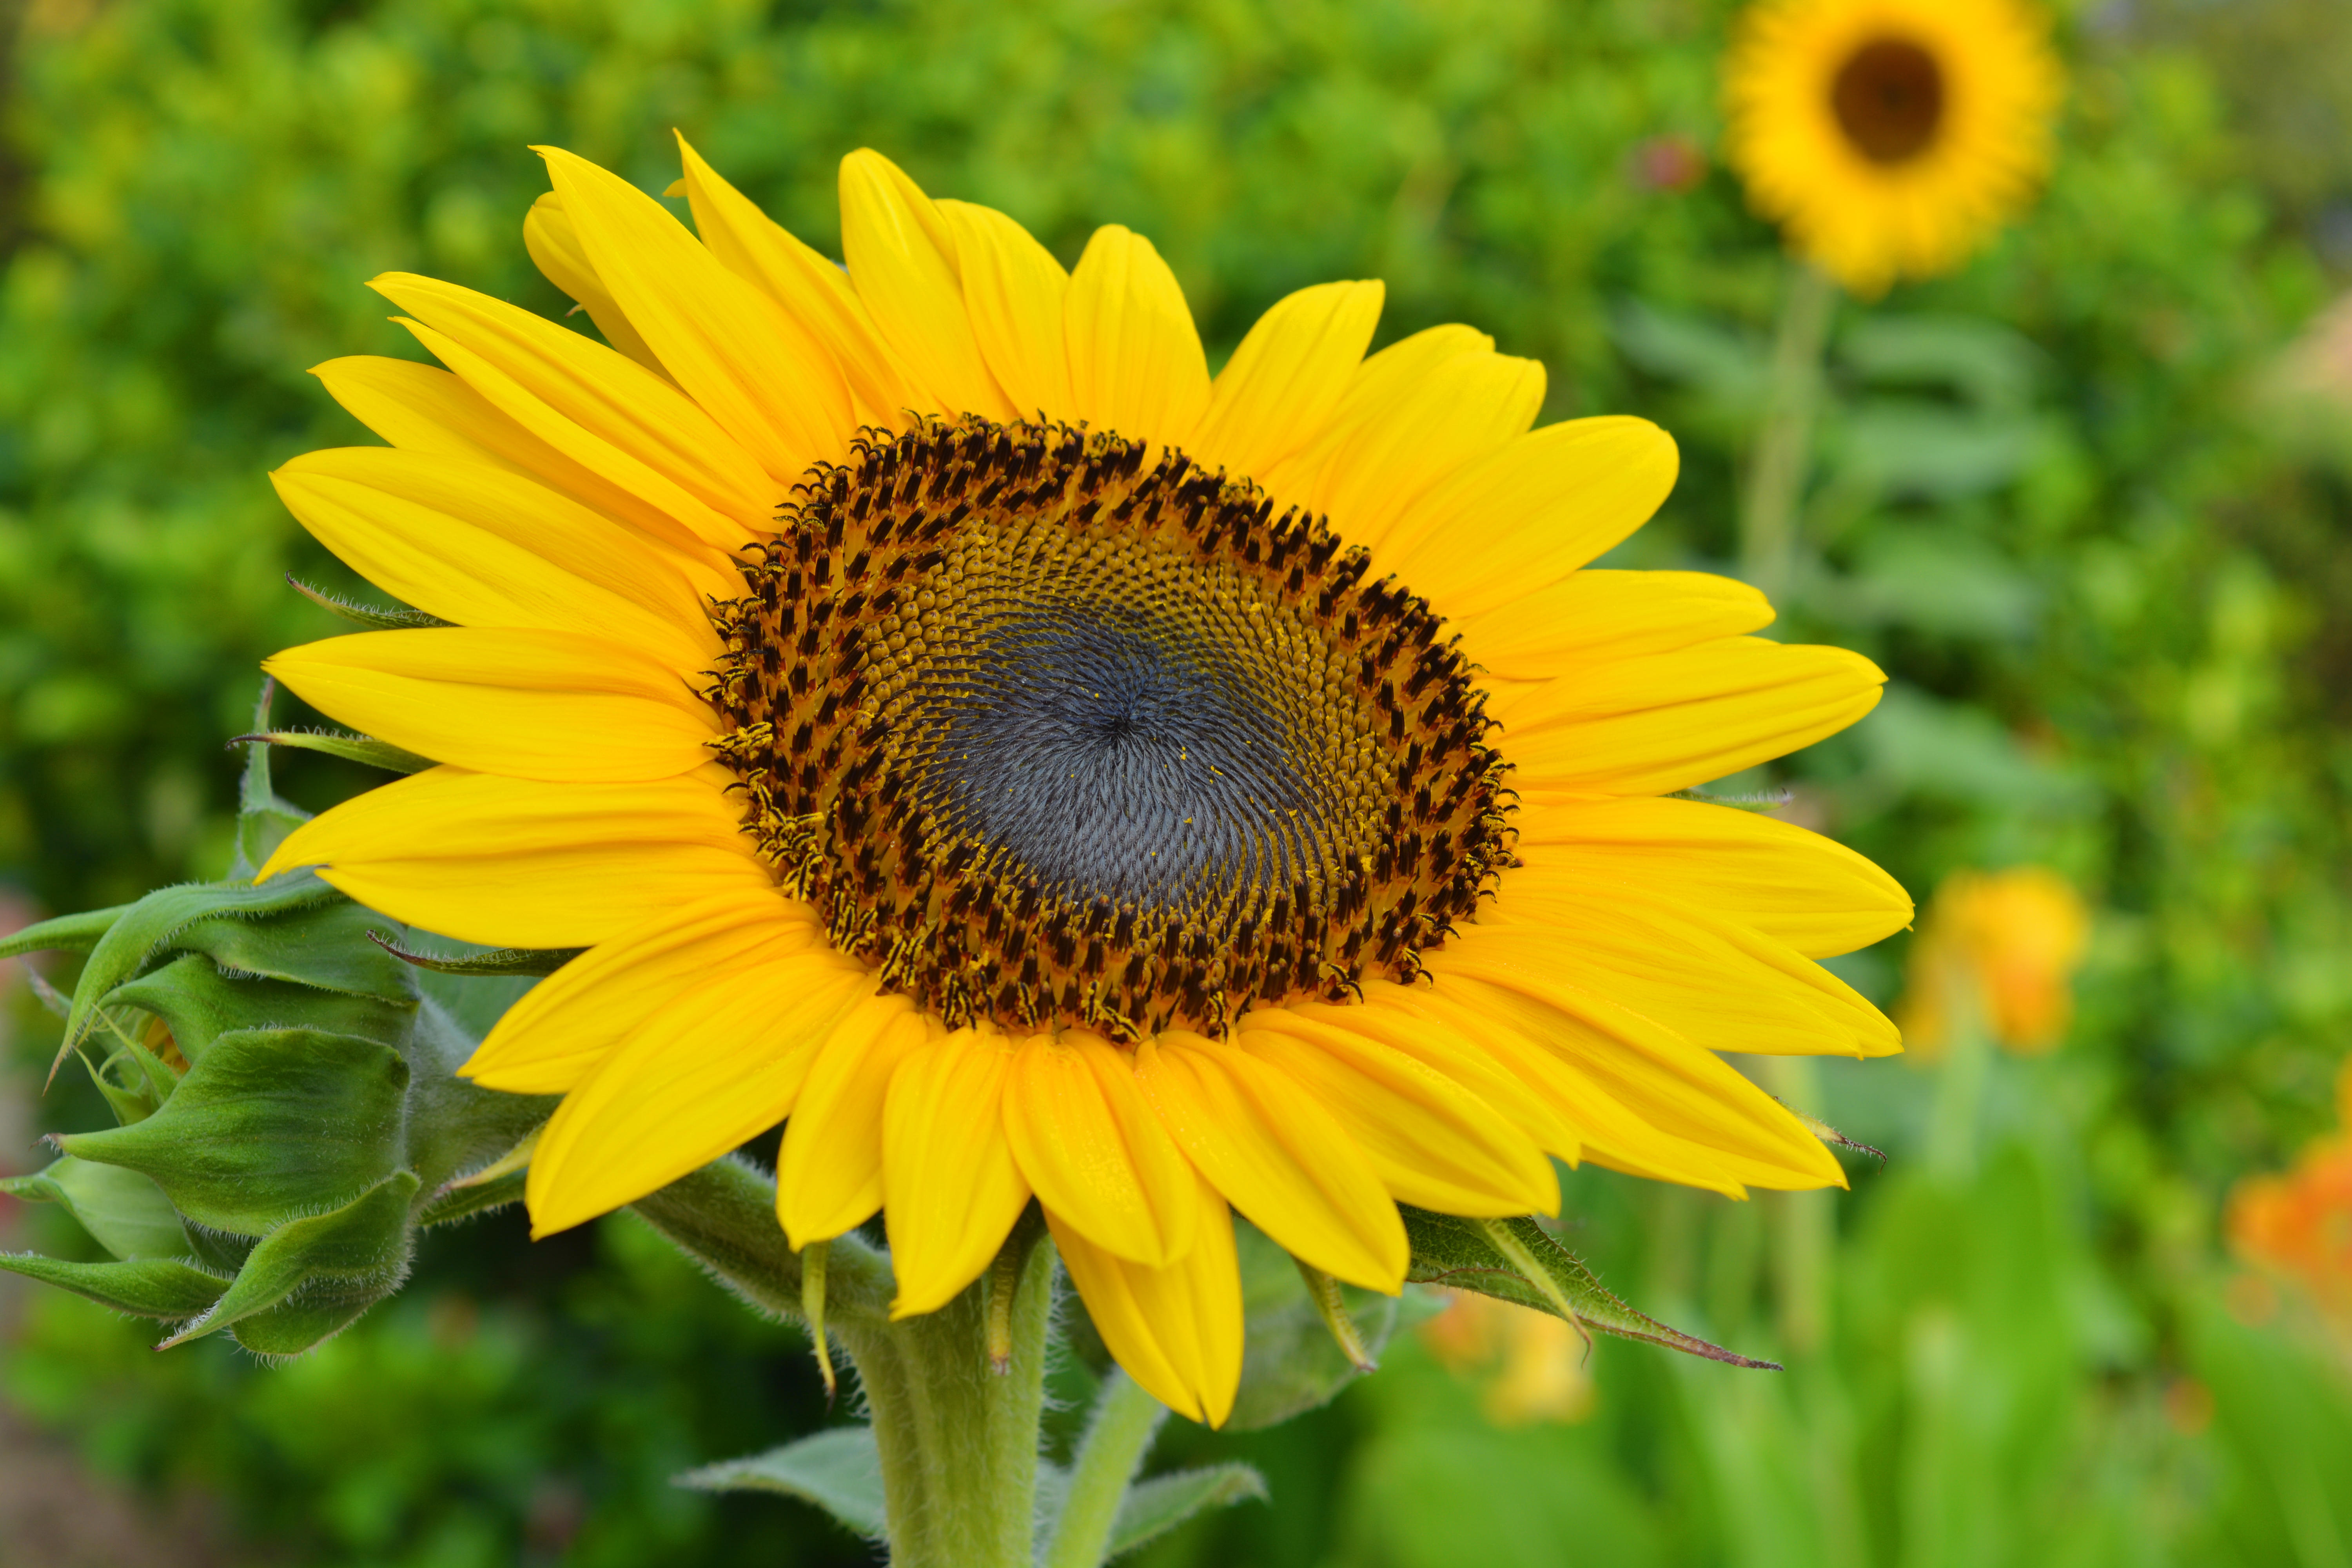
x=2298, y=1224
x=1533, y=1366
x=2003, y=943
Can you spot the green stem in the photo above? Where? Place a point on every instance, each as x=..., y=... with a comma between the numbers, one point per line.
x=1125, y=1421
x=1784, y=448
x=1804, y=1233
x=958, y=1439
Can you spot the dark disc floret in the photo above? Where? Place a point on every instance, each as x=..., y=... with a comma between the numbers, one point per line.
x=1053, y=733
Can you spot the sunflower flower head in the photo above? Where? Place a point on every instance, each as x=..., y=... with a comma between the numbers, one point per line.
x=1890, y=138
x=954, y=725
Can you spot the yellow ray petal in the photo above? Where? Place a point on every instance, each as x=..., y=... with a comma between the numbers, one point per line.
x=529, y=704
x=811, y=288
x=1093, y=1151
x=1012, y=290
x=902, y=261
x=1178, y=1330
x=1435, y=1144
x=1532, y=512
x=483, y=546
x=829, y=1172
x=1262, y=1140
x=1417, y=412
x=424, y=409
x=759, y=374
x=600, y=408
x=555, y=249
x=722, y=1062
x=513, y=863
x=563, y=1026
x=1811, y=892
x=1386, y=1016
x=1723, y=986
x=951, y=1188
x=1645, y=726
x=1135, y=359
x=1597, y=615
x=1279, y=391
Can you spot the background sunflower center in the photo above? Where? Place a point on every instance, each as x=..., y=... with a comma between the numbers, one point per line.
x=1889, y=99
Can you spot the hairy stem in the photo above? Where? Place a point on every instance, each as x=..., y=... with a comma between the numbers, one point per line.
x=1118, y=1434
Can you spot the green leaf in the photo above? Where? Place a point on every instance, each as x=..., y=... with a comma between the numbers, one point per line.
x=839, y=1469
x=362, y=749
x=66, y=933
x=199, y=1005
x=149, y=1288
x=458, y=1202
x=536, y=962
x=369, y=615
x=1154, y=1507
x=1290, y=1363
x=1466, y=1254
x=273, y=1123
x=354, y=1256
x=325, y=948
x=124, y=1211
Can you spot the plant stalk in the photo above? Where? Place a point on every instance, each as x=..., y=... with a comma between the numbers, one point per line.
x=1784, y=447
x=1125, y=1421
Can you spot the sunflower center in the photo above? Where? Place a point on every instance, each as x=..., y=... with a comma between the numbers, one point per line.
x=1052, y=734
x=1889, y=99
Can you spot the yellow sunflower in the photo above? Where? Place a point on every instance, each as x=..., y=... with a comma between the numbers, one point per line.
x=953, y=721
x=1890, y=137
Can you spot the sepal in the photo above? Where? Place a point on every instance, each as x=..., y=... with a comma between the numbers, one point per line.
x=149, y=1288
x=124, y=1211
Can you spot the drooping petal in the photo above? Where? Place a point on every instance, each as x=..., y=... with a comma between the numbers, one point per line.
x=1645, y=726
x=1277, y=392
x=1533, y=511
x=829, y=1172
x=1177, y=1330
x=555, y=249
x=1012, y=290
x=1135, y=358
x=1435, y=1144
x=951, y=1187
x=1594, y=616
x=563, y=1026
x=1811, y=892
x=1093, y=1151
x=723, y=1062
x=485, y=547
x=760, y=375
x=518, y=863
x=1265, y=1142
x=529, y=704
x=902, y=261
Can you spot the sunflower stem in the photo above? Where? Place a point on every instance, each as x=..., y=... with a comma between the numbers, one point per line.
x=1784, y=447
x=1118, y=1435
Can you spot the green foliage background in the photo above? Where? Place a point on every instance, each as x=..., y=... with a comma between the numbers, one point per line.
x=2053, y=502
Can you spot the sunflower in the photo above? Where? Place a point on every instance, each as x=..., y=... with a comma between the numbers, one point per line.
x=1891, y=137
x=958, y=726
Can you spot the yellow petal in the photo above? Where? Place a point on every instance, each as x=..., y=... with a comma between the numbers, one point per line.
x=1597, y=615
x=829, y=1172
x=600, y=408
x=1416, y=413
x=1178, y=1330
x=515, y=863
x=951, y=1189
x=1811, y=892
x=1013, y=289
x=1435, y=1144
x=759, y=374
x=811, y=288
x=423, y=409
x=555, y=249
x=1263, y=1140
x=902, y=261
x=563, y=1027
x=1093, y=1151
x=1135, y=359
x=721, y=1063
x=529, y=704
x=482, y=546
x=1532, y=512
x=1277, y=392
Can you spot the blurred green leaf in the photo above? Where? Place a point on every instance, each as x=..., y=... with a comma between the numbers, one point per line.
x=1157, y=1504
x=837, y=1469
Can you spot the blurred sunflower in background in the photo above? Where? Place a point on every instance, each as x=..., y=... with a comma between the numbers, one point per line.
x=952, y=720
x=1890, y=138
x=1996, y=950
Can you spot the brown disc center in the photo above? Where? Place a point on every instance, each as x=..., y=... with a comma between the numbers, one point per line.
x=1889, y=99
